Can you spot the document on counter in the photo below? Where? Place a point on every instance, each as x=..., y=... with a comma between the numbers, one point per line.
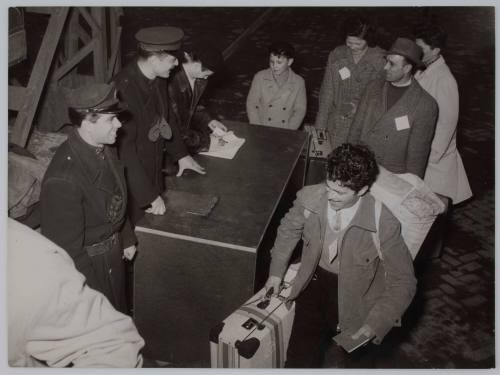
x=225, y=146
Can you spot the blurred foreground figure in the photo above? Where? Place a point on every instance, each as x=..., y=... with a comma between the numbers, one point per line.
x=54, y=319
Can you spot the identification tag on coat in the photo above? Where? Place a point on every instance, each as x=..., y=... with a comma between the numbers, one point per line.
x=402, y=123
x=344, y=73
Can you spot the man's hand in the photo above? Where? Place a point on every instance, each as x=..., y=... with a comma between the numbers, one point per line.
x=187, y=162
x=364, y=330
x=157, y=206
x=129, y=252
x=273, y=282
x=215, y=124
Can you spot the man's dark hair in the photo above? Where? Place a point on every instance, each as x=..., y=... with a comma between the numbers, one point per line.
x=145, y=54
x=360, y=28
x=281, y=48
x=353, y=166
x=76, y=117
x=431, y=34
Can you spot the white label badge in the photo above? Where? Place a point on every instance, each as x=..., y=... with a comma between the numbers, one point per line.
x=402, y=123
x=344, y=73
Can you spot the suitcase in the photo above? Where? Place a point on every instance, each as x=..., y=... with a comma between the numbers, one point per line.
x=256, y=335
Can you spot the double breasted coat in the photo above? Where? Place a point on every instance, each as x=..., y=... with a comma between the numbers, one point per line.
x=188, y=113
x=445, y=173
x=147, y=103
x=83, y=209
x=271, y=105
x=341, y=89
x=370, y=290
x=400, y=136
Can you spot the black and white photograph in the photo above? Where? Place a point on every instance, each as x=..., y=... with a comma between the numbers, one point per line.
x=250, y=186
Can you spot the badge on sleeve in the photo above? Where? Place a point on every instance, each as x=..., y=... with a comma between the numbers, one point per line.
x=402, y=123
x=344, y=73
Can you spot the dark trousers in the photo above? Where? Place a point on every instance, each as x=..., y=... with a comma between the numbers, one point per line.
x=315, y=322
x=314, y=325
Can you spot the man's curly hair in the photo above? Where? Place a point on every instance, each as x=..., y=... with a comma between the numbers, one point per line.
x=354, y=166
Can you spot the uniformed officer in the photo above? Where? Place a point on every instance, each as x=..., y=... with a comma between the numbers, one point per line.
x=145, y=137
x=84, y=195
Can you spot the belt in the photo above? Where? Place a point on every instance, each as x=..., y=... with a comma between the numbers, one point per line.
x=102, y=247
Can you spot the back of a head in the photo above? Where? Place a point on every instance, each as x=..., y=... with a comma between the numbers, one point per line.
x=354, y=166
x=431, y=34
x=207, y=53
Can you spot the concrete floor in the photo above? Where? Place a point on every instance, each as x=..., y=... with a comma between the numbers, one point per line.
x=451, y=322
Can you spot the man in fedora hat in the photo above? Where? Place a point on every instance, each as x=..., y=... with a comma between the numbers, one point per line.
x=199, y=62
x=148, y=134
x=396, y=118
x=84, y=196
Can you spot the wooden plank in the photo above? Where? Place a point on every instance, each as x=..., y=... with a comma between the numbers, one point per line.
x=71, y=63
x=17, y=95
x=113, y=66
x=40, y=10
x=254, y=26
x=38, y=76
x=71, y=36
x=90, y=20
x=82, y=34
x=100, y=58
x=115, y=35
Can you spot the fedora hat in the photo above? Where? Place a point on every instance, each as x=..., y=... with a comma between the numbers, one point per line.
x=409, y=49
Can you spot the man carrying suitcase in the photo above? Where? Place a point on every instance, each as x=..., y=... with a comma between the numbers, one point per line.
x=356, y=275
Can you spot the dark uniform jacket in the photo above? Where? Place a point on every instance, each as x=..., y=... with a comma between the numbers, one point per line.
x=146, y=101
x=83, y=209
x=187, y=112
x=402, y=147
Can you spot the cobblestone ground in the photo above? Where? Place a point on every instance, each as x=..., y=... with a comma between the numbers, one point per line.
x=451, y=322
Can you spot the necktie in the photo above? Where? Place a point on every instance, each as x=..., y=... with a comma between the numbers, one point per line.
x=336, y=227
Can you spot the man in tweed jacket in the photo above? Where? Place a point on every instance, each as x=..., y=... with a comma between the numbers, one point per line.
x=396, y=117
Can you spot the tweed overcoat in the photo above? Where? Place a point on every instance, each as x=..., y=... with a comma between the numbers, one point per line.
x=370, y=291
x=445, y=173
x=341, y=89
x=400, y=136
x=271, y=105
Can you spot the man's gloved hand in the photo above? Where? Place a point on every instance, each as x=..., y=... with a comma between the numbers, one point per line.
x=187, y=162
x=157, y=206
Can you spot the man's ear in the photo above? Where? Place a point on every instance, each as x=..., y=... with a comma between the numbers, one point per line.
x=407, y=68
x=290, y=62
x=362, y=191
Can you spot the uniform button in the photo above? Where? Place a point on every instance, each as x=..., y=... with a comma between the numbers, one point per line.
x=256, y=106
x=110, y=271
x=270, y=105
x=269, y=119
x=284, y=108
x=283, y=121
x=69, y=158
x=386, y=137
x=367, y=260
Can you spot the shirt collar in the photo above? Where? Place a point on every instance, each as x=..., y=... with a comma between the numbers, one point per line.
x=90, y=156
x=346, y=214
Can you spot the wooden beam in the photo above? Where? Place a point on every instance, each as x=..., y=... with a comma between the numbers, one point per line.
x=100, y=58
x=40, y=10
x=114, y=38
x=90, y=20
x=17, y=96
x=254, y=26
x=82, y=34
x=38, y=75
x=71, y=63
x=113, y=60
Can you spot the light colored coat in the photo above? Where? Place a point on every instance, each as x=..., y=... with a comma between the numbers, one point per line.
x=445, y=173
x=54, y=318
x=271, y=105
x=371, y=291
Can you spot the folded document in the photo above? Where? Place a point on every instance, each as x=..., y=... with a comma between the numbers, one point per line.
x=225, y=146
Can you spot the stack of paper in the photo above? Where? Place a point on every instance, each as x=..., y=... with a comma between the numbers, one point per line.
x=225, y=146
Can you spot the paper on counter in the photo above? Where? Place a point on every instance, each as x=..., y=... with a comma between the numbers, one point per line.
x=224, y=147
